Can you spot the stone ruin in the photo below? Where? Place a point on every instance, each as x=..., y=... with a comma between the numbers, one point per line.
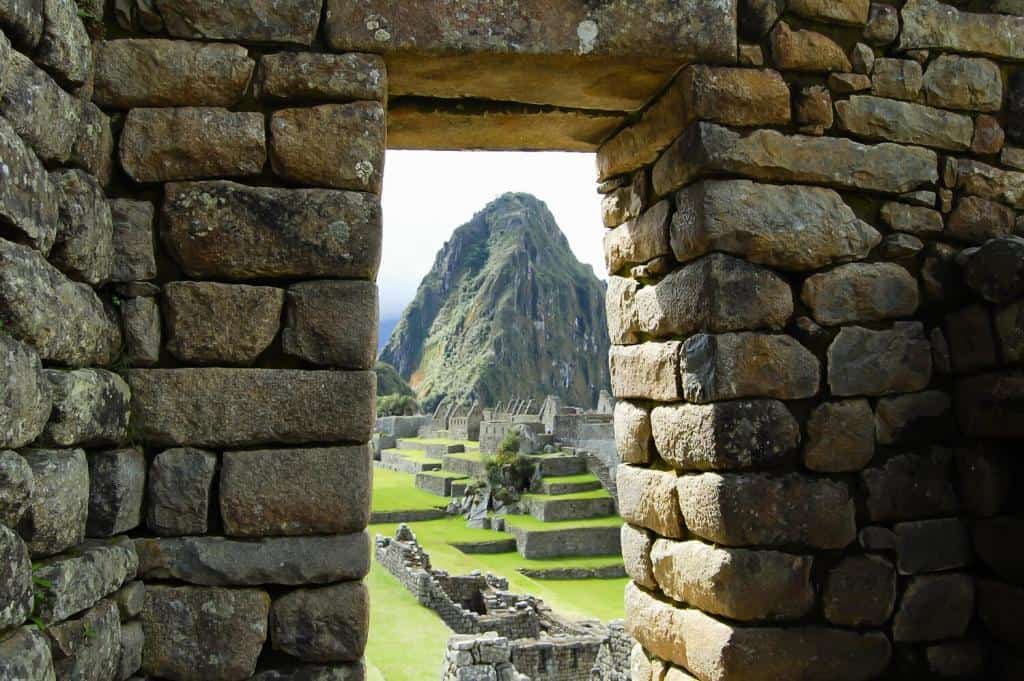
x=814, y=242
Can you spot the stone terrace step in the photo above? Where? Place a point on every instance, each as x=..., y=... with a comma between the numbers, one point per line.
x=432, y=449
x=470, y=464
x=438, y=482
x=570, y=507
x=494, y=546
x=559, y=464
x=569, y=484
x=585, y=540
x=406, y=461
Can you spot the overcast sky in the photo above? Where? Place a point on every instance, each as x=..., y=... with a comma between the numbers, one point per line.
x=427, y=194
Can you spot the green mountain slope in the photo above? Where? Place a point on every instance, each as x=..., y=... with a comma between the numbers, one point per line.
x=506, y=310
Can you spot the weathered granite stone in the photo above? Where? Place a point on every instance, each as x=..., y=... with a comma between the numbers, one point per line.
x=180, y=483
x=158, y=145
x=25, y=656
x=636, y=555
x=971, y=341
x=647, y=498
x=186, y=628
x=715, y=367
x=156, y=72
x=730, y=435
x=954, y=82
x=60, y=500
x=633, y=432
x=211, y=323
x=990, y=405
x=1012, y=157
x=133, y=641
x=43, y=114
x=941, y=278
x=28, y=201
x=137, y=289
x=227, y=230
x=803, y=50
x=866, y=362
x=757, y=17
x=142, y=335
x=897, y=79
x=741, y=584
x=883, y=25
x=245, y=407
x=989, y=136
x=130, y=599
x=22, y=21
x=65, y=49
x=78, y=581
x=64, y=321
x=90, y=408
x=875, y=118
x=912, y=219
x=860, y=292
x=332, y=323
x=791, y=228
x=16, y=487
x=93, y=148
x=848, y=83
x=640, y=240
x=117, y=482
x=15, y=581
x=996, y=270
x=84, y=248
x=862, y=58
x=900, y=246
x=310, y=76
x=813, y=109
x=932, y=545
x=929, y=24
x=626, y=202
x=840, y=437
x=934, y=607
x=860, y=592
x=910, y=487
x=989, y=182
x=329, y=624
x=134, y=247
x=647, y=371
x=25, y=404
x=913, y=417
x=1010, y=330
x=762, y=510
x=769, y=155
x=640, y=666
x=852, y=12
x=348, y=140
x=620, y=309
x=248, y=21
x=291, y=561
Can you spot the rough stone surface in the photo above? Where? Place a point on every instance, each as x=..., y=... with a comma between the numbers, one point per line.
x=866, y=362
x=976, y=220
x=299, y=76
x=90, y=408
x=22, y=21
x=117, y=483
x=60, y=500
x=348, y=672
x=762, y=510
x=929, y=24
x=331, y=145
x=259, y=21
x=640, y=240
x=133, y=640
x=883, y=25
x=1010, y=329
x=860, y=592
x=79, y=580
x=16, y=485
x=852, y=12
x=740, y=584
x=186, y=628
x=912, y=219
x=134, y=73
x=989, y=136
x=730, y=435
x=934, y=607
x=647, y=498
x=989, y=182
x=909, y=487
x=813, y=109
x=25, y=656
x=971, y=341
x=130, y=599
x=954, y=82
x=25, y=404
x=227, y=230
x=142, y=331
x=733, y=365
x=28, y=201
x=913, y=417
x=636, y=555
x=332, y=323
x=896, y=79
x=329, y=624
x=64, y=48
x=211, y=323
x=191, y=143
x=93, y=148
x=840, y=437
x=803, y=50
x=633, y=432
x=180, y=482
x=15, y=581
x=875, y=118
x=42, y=113
x=932, y=545
x=84, y=249
x=996, y=270
x=646, y=371
x=860, y=292
x=989, y=405
x=134, y=248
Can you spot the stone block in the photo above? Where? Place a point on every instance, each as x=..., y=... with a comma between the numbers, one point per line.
x=848, y=83
x=626, y=202
x=332, y=323
x=28, y=200
x=620, y=309
x=768, y=155
x=972, y=343
x=348, y=672
x=990, y=405
x=133, y=73
x=133, y=640
x=328, y=624
x=261, y=22
x=25, y=656
x=860, y=592
x=130, y=599
x=39, y=110
x=134, y=248
x=913, y=219
x=866, y=362
x=929, y=24
x=288, y=561
x=331, y=145
x=740, y=584
x=897, y=79
x=875, y=118
x=883, y=25
x=849, y=12
x=976, y=220
x=65, y=48
x=813, y=109
x=909, y=487
x=192, y=143
x=16, y=603
x=633, y=432
x=861, y=292
x=250, y=407
x=932, y=545
x=647, y=498
x=88, y=647
x=25, y=404
x=646, y=371
x=996, y=270
x=230, y=231
x=1010, y=331
x=56, y=519
x=84, y=248
x=734, y=435
x=80, y=580
x=93, y=148
x=640, y=240
x=310, y=76
x=971, y=84
x=16, y=485
x=22, y=21
x=934, y=607
x=840, y=437
x=180, y=483
x=142, y=333
x=804, y=50
x=763, y=510
x=734, y=365
x=979, y=179
x=636, y=555
x=186, y=628
x=117, y=482
x=90, y=409
x=915, y=417
x=790, y=228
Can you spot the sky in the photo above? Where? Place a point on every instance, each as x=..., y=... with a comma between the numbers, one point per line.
x=428, y=194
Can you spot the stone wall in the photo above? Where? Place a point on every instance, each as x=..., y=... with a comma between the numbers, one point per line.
x=815, y=306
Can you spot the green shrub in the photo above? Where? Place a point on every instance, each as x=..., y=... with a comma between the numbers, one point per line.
x=509, y=473
x=397, y=405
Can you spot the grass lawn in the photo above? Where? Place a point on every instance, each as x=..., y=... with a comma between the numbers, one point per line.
x=446, y=474
x=468, y=444
x=570, y=479
x=530, y=523
x=591, y=494
x=397, y=492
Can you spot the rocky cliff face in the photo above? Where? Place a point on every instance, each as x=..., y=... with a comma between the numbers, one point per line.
x=506, y=310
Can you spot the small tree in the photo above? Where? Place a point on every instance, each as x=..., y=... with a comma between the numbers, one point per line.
x=509, y=472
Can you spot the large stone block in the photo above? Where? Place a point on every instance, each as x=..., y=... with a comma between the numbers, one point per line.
x=16, y=487
x=65, y=48
x=861, y=292
x=90, y=409
x=28, y=200
x=117, y=483
x=620, y=309
x=66, y=322
x=25, y=405
x=636, y=555
x=329, y=624
x=296, y=491
x=740, y=584
x=155, y=72
x=896, y=79
x=647, y=498
x=996, y=270
x=734, y=365
x=289, y=561
x=840, y=437
x=929, y=24
x=876, y=118
x=989, y=182
x=132, y=643
x=934, y=607
x=93, y=149
x=211, y=323
x=180, y=483
x=134, y=247
x=192, y=143
x=302, y=76
x=763, y=510
x=142, y=331
x=805, y=50
x=632, y=432
x=331, y=145
x=56, y=519
x=187, y=629
x=954, y=82
x=640, y=240
x=866, y=362
x=790, y=228
x=768, y=155
x=84, y=249
x=22, y=20
x=731, y=435
x=916, y=417
x=910, y=486
x=78, y=581
x=646, y=371
x=933, y=545
x=912, y=219
x=16, y=587
x=246, y=407
x=231, y=231
x=332, y=323
x=39, y=110
x=248, y=21
x=860, y=592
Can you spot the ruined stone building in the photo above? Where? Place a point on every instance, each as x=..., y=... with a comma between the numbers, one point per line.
x=815, y=304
